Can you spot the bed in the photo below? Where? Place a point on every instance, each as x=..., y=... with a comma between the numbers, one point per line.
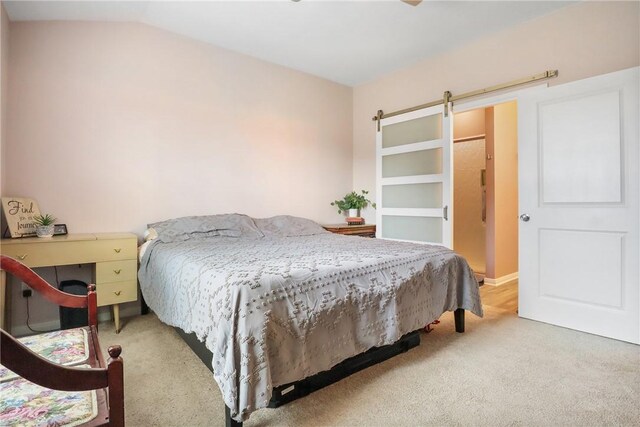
x=280, y=299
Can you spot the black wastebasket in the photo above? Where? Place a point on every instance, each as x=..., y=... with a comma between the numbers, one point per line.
x=73, y=317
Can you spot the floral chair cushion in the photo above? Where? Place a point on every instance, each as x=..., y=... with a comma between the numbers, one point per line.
x=27, y=404
x=67, y=347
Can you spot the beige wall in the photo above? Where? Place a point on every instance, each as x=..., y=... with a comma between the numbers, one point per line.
x=469, y=234
x=4, y=86
x=490, y=247
x=490, y=261
x=582, y=40
x=114, y=125
x=502, y=190
x=469, y=124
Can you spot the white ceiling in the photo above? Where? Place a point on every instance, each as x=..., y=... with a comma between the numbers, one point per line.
x=350, y=42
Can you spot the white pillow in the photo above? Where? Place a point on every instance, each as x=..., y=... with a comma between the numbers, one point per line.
x=150, y=234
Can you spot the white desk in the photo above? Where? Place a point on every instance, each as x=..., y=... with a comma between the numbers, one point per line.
x=114, y=256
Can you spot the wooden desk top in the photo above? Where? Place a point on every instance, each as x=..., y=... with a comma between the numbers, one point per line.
x=54, y=239
x=68, y=238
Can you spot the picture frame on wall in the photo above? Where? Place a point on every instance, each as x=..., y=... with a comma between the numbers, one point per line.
x=19, y=213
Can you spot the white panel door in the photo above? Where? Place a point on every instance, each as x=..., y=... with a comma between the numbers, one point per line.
x=414, y=174
x=579, y=191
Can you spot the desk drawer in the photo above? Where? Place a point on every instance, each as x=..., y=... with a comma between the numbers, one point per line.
x=75, y=252
x=47, y=254
x=116, y=271
x=111, y=250
x=117, y=292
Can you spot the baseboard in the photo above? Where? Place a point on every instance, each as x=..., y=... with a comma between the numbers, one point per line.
x=104, y=315
x=504, y=280
x=23, y=330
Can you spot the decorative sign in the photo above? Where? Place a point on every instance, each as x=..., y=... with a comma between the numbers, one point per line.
x=19, y=213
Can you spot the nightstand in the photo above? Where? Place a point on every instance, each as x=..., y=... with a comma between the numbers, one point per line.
x=366, y=230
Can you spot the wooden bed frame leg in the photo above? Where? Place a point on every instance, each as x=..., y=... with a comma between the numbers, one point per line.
x=228, y=421
x=459, y=319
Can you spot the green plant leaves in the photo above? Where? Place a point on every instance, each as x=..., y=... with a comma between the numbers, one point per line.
x=44, y=220
x=353, y=200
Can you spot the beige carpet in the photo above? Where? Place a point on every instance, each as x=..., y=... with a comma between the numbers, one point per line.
x=502, y=371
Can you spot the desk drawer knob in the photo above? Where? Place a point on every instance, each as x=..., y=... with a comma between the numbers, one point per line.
x=22, y=257
x=117, y=271
x=117, y=250
x=117, y=293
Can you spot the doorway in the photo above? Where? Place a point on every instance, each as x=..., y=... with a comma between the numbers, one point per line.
x=485, y=193
x=578, y=197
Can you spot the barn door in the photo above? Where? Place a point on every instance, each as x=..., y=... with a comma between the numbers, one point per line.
x=414, y=175
x=579, y=191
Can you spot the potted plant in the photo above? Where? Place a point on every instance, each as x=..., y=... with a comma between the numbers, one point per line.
x=353, y=202
x=44, y=225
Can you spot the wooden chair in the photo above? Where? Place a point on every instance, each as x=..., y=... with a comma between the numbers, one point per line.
x=107, y=379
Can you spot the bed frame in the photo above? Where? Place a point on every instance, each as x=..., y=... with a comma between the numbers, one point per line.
x=289, y=392
x=106, y=378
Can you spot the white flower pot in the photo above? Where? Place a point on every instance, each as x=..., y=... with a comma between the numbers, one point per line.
x=354, y=213
x=44, y=230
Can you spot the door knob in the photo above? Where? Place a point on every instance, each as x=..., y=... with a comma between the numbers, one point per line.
x=525, y=217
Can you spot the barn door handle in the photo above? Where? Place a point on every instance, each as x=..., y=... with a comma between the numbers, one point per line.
x=445, y=213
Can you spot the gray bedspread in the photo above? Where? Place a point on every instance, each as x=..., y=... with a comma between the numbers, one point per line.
x=274, y=310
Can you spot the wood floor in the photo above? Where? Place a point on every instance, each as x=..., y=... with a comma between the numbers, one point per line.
x=504, y=297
